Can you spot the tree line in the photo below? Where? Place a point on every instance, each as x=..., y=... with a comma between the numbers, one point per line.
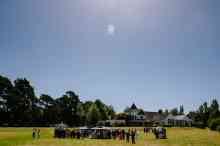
x=19, y=106
x=173, y=111
x=207, y=115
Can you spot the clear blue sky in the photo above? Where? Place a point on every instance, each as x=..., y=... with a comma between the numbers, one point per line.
x=156, y=53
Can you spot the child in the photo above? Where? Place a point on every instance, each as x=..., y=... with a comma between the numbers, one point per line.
x=33, y=133
x=38, y=133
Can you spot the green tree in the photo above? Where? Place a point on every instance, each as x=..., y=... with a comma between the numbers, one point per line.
x=22, y=100
x=81, y=114
x=205, y=115
x=54, y=114
x=93, y=115
x=86, y=105
x=214, y=109
x=110, y=112
x=51, y=111
x=46, y=100
x=68, y=104
x=19, y=105
x=181, y=112
x=37, y=114
x=160, y=111
x=102, y=109
x=166, y=112
x=140, y=112
x=174, y=111
x=5, y=89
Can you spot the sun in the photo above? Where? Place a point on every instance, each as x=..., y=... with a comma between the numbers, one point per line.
x=110, y=29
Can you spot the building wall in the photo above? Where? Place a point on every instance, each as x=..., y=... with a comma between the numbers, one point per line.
x=178, y=123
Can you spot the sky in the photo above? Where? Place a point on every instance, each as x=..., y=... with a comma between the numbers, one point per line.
x=155, y=53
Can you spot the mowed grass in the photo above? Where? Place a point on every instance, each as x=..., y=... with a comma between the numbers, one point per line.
x=176, y=137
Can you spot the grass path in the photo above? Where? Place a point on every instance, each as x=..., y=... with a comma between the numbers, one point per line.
x=176, y=137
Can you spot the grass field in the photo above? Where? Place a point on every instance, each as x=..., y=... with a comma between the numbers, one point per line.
x=176, y=137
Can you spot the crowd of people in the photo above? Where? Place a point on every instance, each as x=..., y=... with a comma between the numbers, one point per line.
x=129, y=135
x=159, y=132
x=133, y=134
x=36, y=133
x=66, y=133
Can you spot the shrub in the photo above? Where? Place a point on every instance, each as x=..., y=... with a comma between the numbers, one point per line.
x=214, y=123
x=200, y=125
x=218, y=128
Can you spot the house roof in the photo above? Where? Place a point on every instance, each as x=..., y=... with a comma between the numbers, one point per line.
x=153, y=116
x=133, y=106
x=179, y=117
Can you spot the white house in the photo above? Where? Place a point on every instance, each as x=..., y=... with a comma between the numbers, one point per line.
x=179, y=121
x=134, y=113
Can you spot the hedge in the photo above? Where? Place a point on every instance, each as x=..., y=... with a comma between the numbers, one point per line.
x=214, y=123
x=218, y=128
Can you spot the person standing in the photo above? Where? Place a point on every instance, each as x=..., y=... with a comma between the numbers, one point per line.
x=123, y=134
x=120, y=135
x=156, y=133
x=128, y=136
x=78, y=134
x=33, y=133
x=136, y=134
x=133, y=136
x=38, y=133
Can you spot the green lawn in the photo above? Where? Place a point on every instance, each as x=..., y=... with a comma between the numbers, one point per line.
x=176, y=137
